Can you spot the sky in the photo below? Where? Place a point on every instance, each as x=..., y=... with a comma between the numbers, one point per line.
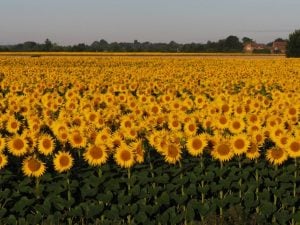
x=69, y=22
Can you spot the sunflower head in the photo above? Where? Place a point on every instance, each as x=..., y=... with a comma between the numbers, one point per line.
x=95, y=155
x=33, y=167
x=17, y=145
x=276, y=155
x=124, y=156
x=222, y=150
x=195, y=145
x=63, y=161
x=46, y=144
x=3, y=160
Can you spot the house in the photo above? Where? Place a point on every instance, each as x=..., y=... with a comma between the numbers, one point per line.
x=253, y=46
x=279, y=47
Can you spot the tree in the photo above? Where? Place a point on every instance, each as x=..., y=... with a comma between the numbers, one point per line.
x=48, y=45
x=231, y=44
x=279, y=40
x=293, y=45
x=246, y=40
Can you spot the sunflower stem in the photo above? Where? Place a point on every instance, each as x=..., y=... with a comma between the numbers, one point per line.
x=257, y=185
x=37, y=187
x=294, y=190
x=152, y=176
x=128, y=183
x=182, y=193
x=202, y=186
x=69, y=195
x=275, y=196
x=221, y=191
x=240, y=180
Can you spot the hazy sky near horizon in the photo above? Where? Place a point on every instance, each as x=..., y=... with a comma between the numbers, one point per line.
x=75, y=21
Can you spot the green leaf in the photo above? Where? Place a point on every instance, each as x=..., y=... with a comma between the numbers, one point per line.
x=113, y=213
x=267, y=208
x=20, y=205
x=123, y=198
x=249, y=200
x=204, y=209
x=92, y=210
x=76, y=212
x=191, y=190
x=11, y=220
x=22, y=221
x=163, y=199
x=140, y=217
x=283, y=216
x=297, y=217
x=190, y=209
x=163, y=218
x=136, y=190
x=4, y=193
x=88, y=191
x=264, y=195
x=164, y=179
x=106, y=198
x=2, y=212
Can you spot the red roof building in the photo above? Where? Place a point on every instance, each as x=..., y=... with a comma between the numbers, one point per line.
x=279, y=47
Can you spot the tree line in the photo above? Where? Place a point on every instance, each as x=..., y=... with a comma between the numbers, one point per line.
x=229, y=44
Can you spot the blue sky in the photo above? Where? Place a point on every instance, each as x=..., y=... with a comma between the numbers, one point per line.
x=74, y=21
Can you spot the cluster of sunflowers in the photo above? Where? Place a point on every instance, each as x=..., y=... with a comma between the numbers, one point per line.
x=97, y=108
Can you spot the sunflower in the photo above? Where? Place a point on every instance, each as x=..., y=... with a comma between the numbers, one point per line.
x=131, y=134
x=63, y=161
x=17, y=145
x=293, y=148
x=12, y=125
x=174, y=124
x=117, y=139
x=276, y=155
x=154, y=138
x=236, y=125
x=46, y=144
x=258, y=137
x=253, y=151
x=195, y=145
x=282, y=140
x=137, y=147
x=124, y=156
x=63, y=136
x=3, y=160
x=154, y=109
x=95, y=155
x=240, y=144
x=103, y=137
x=190, y=128
x=2, y=143
x=222, y=122
x=172, y=153
x=222, y=151
x=126, y=123
x=91, y=117
x=77, y=140
x=33, y=167
x=276, y=132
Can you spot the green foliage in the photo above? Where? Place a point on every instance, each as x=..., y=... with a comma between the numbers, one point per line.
x=293, y=46
x=261, y=51
x=158, y=194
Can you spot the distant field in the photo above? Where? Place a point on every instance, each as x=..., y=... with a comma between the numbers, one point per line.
x=223, y=55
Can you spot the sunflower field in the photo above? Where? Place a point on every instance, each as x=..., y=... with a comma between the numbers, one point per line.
x=149, y=140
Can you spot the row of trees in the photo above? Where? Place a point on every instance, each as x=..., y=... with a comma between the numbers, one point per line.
x=229, y=44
